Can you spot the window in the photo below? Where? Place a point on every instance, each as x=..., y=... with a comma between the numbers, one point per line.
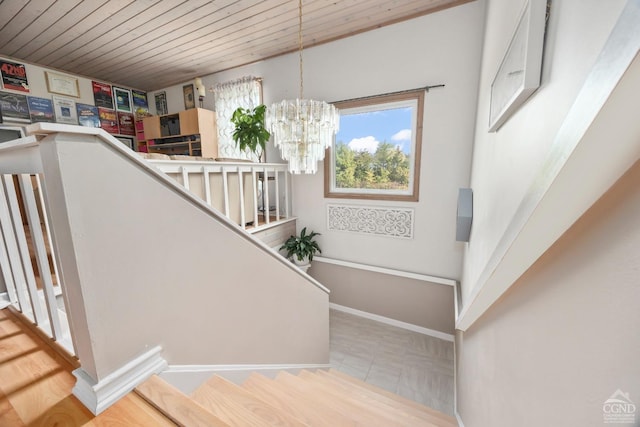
x=376, y=153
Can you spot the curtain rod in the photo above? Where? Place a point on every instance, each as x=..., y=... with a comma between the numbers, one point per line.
x=425, y=88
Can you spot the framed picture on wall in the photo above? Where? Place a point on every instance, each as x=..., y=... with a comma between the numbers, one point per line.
x=65, y=110
x=62, y=85
x=40, y=109
x=126, y=123
x=161, y=103
x=88, y=115
x=123, y=99
x=140, y=104
x=108, y=120
x=14, y=76
x=102, y=95
x=14, y=107
x=189, y=98
x=519, y=73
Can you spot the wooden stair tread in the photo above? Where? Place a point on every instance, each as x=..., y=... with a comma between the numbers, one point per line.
x=238, y=407
x=331, y=396
x=301, y=407
x=452, y=422
x=181, y=409
x=373, y=398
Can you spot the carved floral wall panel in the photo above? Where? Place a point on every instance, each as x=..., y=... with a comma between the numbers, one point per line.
x=383, y=221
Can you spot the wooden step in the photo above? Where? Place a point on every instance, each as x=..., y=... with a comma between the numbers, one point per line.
x=290, y=401
x=444, y=419
x=181, y=409
x=329, y=396
x=373, y=398
x=238, y=407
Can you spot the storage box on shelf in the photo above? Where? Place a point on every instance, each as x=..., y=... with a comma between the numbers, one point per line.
x=139, y=134
x=191, y=132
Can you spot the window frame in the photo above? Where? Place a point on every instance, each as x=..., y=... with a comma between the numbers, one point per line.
x=412, y=195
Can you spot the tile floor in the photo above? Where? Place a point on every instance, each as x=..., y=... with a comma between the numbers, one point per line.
x=413, y=365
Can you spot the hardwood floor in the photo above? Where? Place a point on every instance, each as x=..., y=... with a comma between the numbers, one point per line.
x=36, y=383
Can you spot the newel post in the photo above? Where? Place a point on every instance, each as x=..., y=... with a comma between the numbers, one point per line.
x=70, y=175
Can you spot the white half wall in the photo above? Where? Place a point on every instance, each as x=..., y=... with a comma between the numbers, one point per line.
x=145, y=263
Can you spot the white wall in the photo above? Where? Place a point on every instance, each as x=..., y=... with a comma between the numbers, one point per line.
x=563, y=339
x=441, y=48
x=505, y=162
x=555, y=346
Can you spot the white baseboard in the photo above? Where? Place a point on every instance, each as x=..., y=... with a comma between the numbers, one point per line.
x=393, y=322
x=220, y=368
x=459, y=419
x=187, y=378
x=98, y=396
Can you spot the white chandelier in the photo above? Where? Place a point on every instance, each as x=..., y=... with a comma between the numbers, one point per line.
x=302, y=128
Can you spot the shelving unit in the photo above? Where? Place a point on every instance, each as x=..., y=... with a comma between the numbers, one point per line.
x=191, y=132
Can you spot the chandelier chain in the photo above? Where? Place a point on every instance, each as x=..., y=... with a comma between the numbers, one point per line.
x=300, y=46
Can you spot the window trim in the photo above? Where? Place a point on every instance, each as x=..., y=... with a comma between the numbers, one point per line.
x=329, y=162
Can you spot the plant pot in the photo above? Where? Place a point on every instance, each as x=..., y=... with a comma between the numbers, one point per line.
x=296, y=261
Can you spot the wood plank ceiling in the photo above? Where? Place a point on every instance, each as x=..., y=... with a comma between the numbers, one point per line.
x=152, y=44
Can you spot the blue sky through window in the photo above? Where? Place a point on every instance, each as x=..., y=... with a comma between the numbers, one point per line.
x=364, y=131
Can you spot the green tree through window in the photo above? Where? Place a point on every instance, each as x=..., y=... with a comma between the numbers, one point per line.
x=387, y=168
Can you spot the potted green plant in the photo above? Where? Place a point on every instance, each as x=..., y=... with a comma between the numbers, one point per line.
x=250, y=132
x=302, y=248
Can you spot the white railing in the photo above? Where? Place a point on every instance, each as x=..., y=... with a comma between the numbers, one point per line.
x=252, y=195
x=33, y=290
